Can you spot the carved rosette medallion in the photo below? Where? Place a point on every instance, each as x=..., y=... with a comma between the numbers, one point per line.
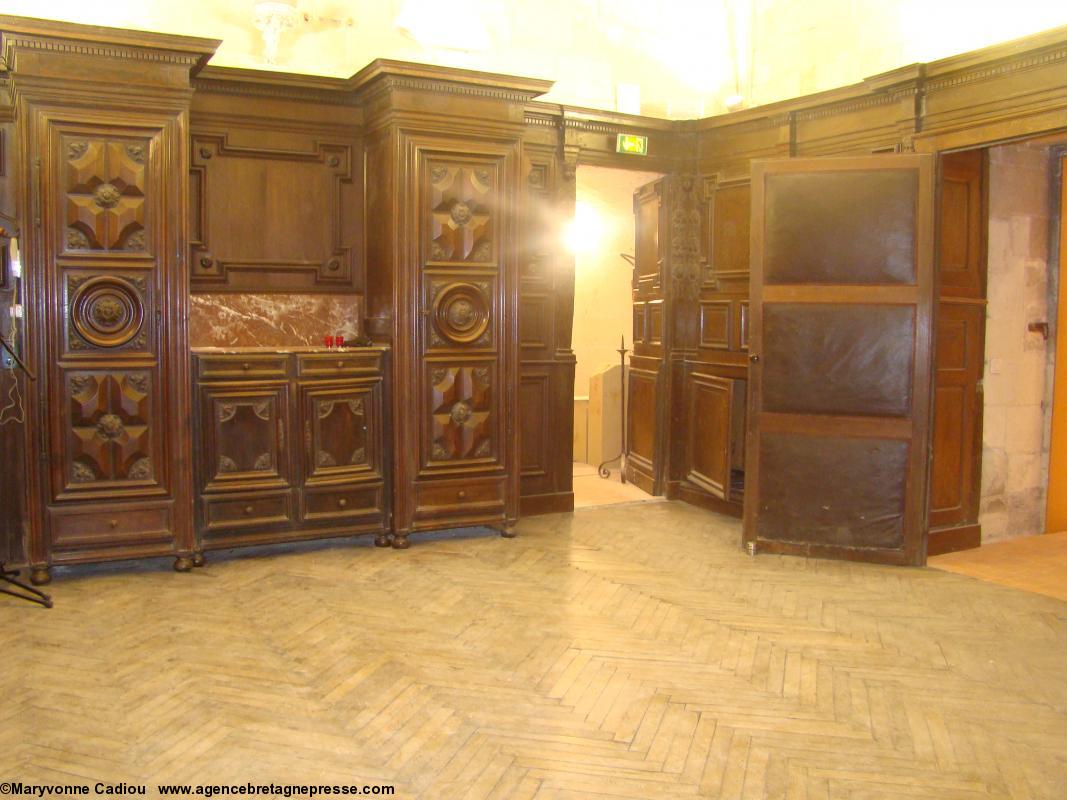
x=106, y=196
x=461, y=412
x=107, y=311
x=141, y=470
x=461, y=214
x=461, y=313
x=110, y=426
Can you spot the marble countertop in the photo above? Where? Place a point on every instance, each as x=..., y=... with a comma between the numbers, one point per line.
x=214, y=351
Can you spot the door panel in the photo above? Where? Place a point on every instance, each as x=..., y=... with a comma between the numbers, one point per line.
x=959, y=357
x=711, y=404
x=244, y=431
x=866, y=349
x=807, y=213
x=839, y=404
x=339, y=426
x=646, y=409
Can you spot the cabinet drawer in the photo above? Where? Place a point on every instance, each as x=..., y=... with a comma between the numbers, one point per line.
x=334, y=365
x=112, y=527
x=459, y=500
x=246, y=512
x=231, y=367
x=343, y=505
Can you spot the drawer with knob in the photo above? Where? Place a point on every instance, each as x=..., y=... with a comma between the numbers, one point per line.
x=229, y=512
x=242, y=365
x=350, y=505
x=462, y=499
x=340, y=364
x=112, y=526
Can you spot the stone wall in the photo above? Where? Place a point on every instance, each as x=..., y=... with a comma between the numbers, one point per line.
x=1015, y=452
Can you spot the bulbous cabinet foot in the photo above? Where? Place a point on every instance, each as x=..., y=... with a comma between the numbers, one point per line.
x=382, y=540
x=508, y=531
x=198, y=559
x=183, y=564
x=400, y=541
x=40, y=576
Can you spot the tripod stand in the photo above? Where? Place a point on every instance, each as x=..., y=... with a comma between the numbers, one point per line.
x=33, y=595
x=10, y=576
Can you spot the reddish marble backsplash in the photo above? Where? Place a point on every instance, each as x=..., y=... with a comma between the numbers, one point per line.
x=272, y=320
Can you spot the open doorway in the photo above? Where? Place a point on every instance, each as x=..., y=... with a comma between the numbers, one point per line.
x=1021, y=462
x=602, y=239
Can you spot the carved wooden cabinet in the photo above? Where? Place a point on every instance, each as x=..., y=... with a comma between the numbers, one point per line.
x=443, y=287
x=289, y=446
x=101, y=132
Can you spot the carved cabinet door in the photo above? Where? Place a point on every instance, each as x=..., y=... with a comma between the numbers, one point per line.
x=244, y=437
x=340, y=429
x=104, y=246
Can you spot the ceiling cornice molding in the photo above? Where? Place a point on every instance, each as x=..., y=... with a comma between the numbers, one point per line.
x=26, y=33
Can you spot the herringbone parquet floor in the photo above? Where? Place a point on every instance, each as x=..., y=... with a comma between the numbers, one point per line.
x=620, y=652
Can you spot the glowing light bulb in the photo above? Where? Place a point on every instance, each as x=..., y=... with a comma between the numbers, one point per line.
x=584, y=233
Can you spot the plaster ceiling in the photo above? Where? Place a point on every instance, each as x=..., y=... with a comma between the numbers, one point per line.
x=686, y=56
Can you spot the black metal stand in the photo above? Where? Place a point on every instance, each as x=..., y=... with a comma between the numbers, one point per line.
x=33, y=595
x=602, y=470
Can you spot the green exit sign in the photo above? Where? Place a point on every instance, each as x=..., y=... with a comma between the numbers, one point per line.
x=631, y=144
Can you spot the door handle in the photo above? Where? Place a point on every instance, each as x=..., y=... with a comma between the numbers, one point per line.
x=754, y=358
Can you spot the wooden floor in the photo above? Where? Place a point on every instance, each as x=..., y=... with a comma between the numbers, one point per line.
x=627, y=651
x=592, y=490
x=1034, y=563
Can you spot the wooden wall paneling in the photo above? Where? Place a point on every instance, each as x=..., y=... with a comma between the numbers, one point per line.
x=647, y=409
x=103, y=196
x=716, y=368
x=276, y=184
x=547, y=364
x=454, y=179
x=959, y=354
x=275, y=220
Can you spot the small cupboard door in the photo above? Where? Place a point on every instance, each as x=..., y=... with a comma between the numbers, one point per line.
x=839, y=402
x=716, y=411
x=244, y=437
x=341, y=430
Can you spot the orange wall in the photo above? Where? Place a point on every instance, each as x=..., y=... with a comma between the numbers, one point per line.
x=1056, y=512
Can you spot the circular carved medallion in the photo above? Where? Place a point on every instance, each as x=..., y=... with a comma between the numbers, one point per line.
x=461, y=312
x=107, y=311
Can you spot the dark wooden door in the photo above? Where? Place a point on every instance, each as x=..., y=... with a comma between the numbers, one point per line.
x=244, y=439
x=959, y=354
x=645, y=404
x=839, y=398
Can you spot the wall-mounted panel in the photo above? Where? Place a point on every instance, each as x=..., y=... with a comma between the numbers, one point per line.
x=274, y=219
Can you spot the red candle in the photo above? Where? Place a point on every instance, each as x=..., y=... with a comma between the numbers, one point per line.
x=339, y=340
x=328, y=341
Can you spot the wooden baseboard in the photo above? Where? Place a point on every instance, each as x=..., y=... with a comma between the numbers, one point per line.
x=690, y=494
x=534, y=504
x=949, y=540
